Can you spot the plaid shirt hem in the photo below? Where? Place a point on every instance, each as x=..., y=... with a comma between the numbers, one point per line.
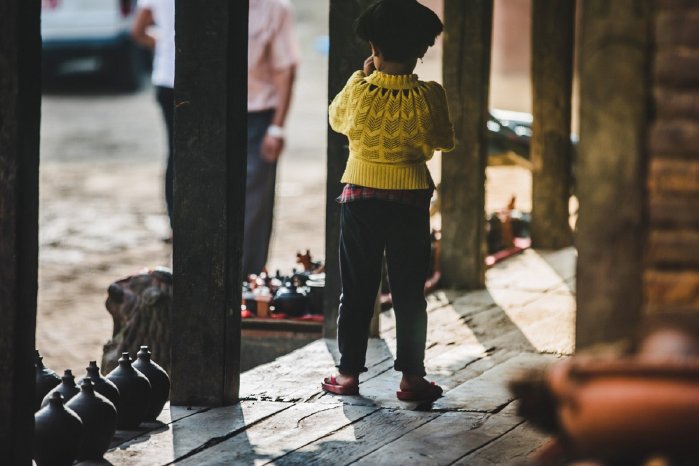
x=413, y=197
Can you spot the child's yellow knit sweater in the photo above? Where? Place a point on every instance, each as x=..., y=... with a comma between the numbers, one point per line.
x=394, y=124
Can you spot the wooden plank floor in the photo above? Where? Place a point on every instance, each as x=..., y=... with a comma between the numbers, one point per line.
x=477, y=341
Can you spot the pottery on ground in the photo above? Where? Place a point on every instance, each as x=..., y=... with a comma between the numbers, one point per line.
x=159, y=382
x=629, y=407
x=46, y=380
x=67, y=388
x=291, y=300
x=134, y=393
x=99, y=418
x=58, y=433
x=102, y=385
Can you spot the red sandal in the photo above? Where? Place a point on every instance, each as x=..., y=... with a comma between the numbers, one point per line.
x=430, y=393
x=330, y=385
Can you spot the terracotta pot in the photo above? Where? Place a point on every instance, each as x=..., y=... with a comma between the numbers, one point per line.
x=99, y=418
x=134, y=393
x=102, y=385
x=159, y=383
x=668, y=343
x=625, y=408
x=46, y=380
x=58, y=433
x=67, y=388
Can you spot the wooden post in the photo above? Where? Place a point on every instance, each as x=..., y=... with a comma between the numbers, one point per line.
x=20, y=110
x=347, y=54
x=553, y=24
x=466, y=68
x=614, y=113
x=210, y=162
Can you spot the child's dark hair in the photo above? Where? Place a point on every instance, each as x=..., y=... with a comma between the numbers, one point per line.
x=401, y=29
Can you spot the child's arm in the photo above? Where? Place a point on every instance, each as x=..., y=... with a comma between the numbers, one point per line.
x=339, y=111
x=442, y=137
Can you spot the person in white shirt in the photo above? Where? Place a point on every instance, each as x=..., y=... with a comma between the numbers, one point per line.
x=154, y=27
x=272, y=59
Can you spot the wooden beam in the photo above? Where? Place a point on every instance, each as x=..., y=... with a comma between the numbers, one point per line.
x=20, y=110
x=347, y=54
x=614, y=112
x=210, y=163
x=553, y=23
x=466, y=69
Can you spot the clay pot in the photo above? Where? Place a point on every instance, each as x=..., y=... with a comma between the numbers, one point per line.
x=67, y=388
x=668, y=343
x=315, y=295
x=276, y=282
x=249, y=298
x=629, y=407
x=102, y=385
x=46, y=380
x=99, y=418
x=299, y=278
x=58, y=433
x=134, y=392
x=159, y=383
x=290, y=300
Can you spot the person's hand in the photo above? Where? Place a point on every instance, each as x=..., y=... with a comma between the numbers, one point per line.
x=272, y=147
x=369, y=65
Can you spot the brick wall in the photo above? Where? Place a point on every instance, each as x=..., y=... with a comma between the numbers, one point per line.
x=671, y=275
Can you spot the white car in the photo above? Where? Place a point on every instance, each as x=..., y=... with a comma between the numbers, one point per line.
x=80, y=36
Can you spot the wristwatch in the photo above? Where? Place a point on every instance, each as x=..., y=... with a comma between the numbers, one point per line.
x=275, y=131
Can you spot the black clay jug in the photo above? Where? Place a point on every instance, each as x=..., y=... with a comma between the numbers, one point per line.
x=67, y=388
x=291, y=300
x=46, y=380
x=99, y=418
x=102, y=385
x=159, y=383
x=58, y=433
x=134, y=391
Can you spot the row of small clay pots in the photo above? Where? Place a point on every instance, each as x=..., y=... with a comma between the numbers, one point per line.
x=83, y=427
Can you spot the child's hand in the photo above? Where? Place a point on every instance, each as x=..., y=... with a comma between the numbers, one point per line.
x=369, y=65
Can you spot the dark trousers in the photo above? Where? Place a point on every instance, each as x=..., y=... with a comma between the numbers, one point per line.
x=259, y=195
x=367, y=229
x=166, y=99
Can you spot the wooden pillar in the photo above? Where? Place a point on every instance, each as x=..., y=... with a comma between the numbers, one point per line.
x=347, y=54
x=210, y=163
x=553, y=24
x=614, y=113
x=466, y=68
x=20, y=109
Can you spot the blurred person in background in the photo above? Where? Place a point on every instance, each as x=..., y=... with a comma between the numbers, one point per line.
x=161, y=39
x=272, y=59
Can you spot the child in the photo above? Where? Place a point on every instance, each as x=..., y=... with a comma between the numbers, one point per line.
x=394, y=123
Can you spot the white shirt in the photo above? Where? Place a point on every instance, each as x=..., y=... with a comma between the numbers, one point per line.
x=271, y=47
x=163, y=12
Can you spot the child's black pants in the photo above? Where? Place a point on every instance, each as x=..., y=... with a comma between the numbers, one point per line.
x=367, y=228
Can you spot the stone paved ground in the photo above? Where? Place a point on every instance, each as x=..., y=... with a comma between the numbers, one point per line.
x=102, y=214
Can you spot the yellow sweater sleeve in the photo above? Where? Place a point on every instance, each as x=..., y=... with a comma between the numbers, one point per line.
x=339, y=111
x=442, y=134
